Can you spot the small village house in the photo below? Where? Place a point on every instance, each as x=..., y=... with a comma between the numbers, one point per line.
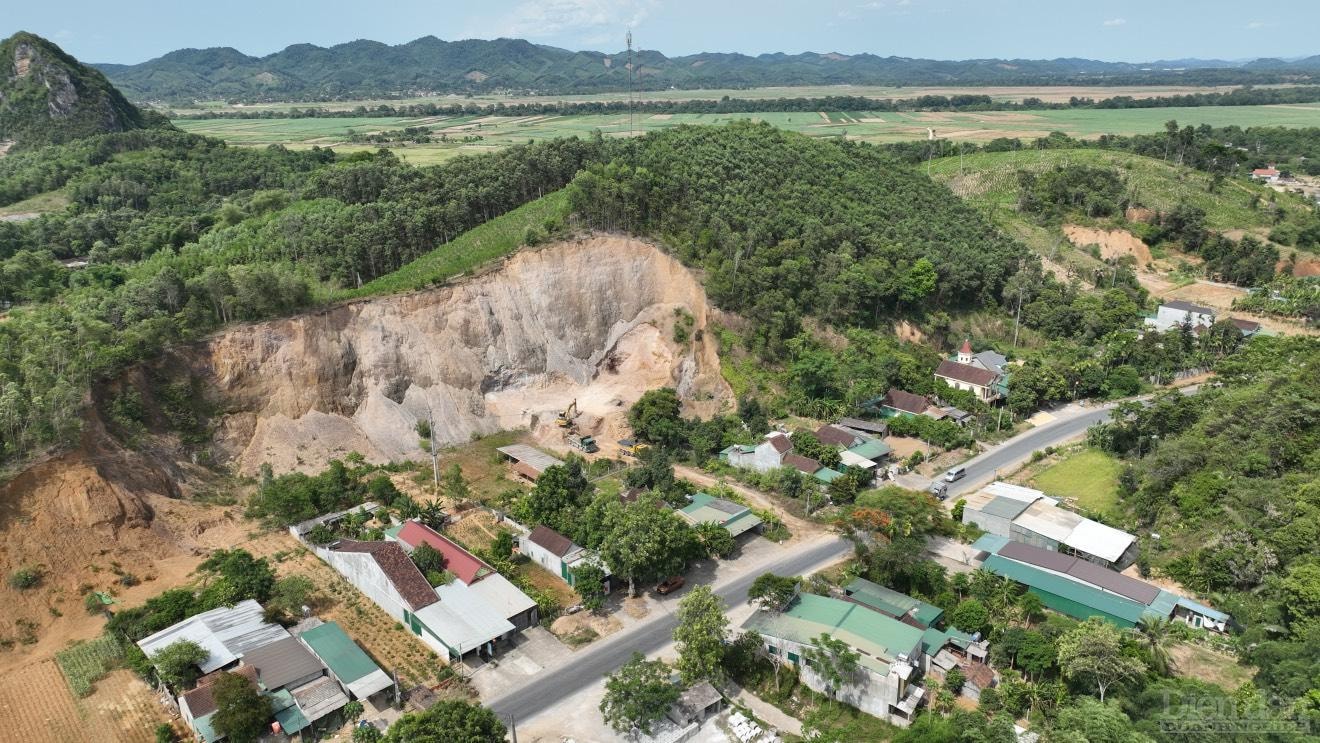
x=527, y=462
x=559, y=555
x=736, y=518
x=1027, y=515
x=1176, y=313
x=983, y=374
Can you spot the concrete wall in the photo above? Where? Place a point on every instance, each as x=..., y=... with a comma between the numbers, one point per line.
x=871, y=693
x=990, y=524
x=763, y=459
x=541, y=556
x=361, y=570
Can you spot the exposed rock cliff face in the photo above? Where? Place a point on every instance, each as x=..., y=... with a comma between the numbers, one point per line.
x=590, y=320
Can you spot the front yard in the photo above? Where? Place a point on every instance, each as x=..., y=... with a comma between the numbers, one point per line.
x=1088, y=478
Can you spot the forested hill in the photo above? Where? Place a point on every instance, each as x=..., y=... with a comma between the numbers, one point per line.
x=48, y=97
x=370, y=69
x=785, y=225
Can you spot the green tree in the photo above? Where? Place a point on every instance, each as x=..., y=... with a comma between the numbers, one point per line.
x=177, y=663
x=589, y=582
x=700, y=635
x=448, y=721
x=655, y=418
x=715, y=540
x=367, y=734
x=1096, y=722
x=559, y=495
x=772, y=591
x=637, y=695
x=165, y=733
x=241, y=713
x=970, y=615
x=646, y=542
x=428, y=559
x=502, y=546
x=453, y=485
x=290, y=594
x=834, y=661
x=233, y=576
x=1094, y=651
x=1031, y=607
x=1156, y=634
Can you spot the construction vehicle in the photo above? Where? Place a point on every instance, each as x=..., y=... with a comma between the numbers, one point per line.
x=583, y=443
x=632, y=448
x=565, y=419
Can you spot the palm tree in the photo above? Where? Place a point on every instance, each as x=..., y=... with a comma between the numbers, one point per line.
x=1156, y=633
x=1030, y=605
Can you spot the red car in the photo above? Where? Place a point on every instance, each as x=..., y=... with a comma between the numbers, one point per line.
x=669, y=585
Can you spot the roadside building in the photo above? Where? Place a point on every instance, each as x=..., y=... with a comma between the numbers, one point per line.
x=1082, y=589
x=1177, y=313
x=1029, y=516
x=864, y=428
x=227, y=633
x=559, y=555
x=893, y=604
x=981, y=374
x=473, y=572
x=837, y=436
x=1267, y=175
x=897, y=403
x=893, y=655
x=765, y=456
x=736, y=518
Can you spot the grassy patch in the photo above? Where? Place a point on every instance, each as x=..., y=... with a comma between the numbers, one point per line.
x=1089, y=478
x=51, y=201
x=1199, y=662
x=494, y=239
x=85, y=662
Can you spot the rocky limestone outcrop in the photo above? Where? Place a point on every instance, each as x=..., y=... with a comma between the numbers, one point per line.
x=590, y=320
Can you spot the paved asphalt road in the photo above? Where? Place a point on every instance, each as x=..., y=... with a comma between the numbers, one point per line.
x=1015, y=451
x=544, y=690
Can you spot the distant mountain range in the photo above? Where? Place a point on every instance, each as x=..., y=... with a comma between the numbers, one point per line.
x=361, y=69
x=48, y=97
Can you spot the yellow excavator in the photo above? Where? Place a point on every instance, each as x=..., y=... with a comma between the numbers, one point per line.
x=565, y=419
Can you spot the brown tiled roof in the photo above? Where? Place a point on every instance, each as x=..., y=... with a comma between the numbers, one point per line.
x=1247, y=325
x=835, y=436
x=966, y=373
x=906, y=401
x=555, y=543
x=780, y=442
x=801, y=463
x=398, y=567
x=201, y=701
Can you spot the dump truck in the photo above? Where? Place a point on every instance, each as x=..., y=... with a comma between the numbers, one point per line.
x=583, y=443
x=632, y=448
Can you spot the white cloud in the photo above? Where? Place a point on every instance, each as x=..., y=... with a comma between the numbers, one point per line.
x=593, y=19
x=1114, y=22
x=1252, y=26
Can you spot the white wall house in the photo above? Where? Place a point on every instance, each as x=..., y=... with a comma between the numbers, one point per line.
x=765, y=456
x=1176, y=313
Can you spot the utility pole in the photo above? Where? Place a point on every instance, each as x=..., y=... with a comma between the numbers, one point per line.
x=1017, y=316
x=631, y=122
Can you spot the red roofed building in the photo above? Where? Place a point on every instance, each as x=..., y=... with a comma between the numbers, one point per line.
x=465, y=566
x=1269, y=175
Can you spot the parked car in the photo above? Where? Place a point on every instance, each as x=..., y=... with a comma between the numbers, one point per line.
x=939, y=489
x=669, y=585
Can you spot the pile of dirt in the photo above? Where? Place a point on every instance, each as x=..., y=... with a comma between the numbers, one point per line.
x=1112, y=243
x=590, y=320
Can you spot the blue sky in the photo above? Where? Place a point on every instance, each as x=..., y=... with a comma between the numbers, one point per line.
x=133, y=31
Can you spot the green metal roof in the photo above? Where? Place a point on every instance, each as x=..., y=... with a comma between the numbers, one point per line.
x=991, y=543
x=204, y=729
x=879, y=639
x=292, y=720
x=871, y=449
x=825, y=474
x=1080, y=593
x=893, y=603
x=734, y=517
x=1004, y=508
x=393, y=531
x=339, y=653
x=934, y=639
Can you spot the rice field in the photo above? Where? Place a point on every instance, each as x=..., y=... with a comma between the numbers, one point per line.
x=475, y=134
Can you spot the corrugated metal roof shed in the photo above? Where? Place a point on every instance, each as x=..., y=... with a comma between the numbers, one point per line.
x=1079, y=593
x=991, y=543
x=1038, y=556
x=282, y=662
x=537, y=459
x=734, y=517
x=891, y=602
x=874, y=450
x=857, y=424
x=1048, y=521
x=1004, y=508
x=353, y=667
x=1095, y=538
x=1019, y=492
x=502, y=595
x=227, y=633
x=826, y=475
x=462, y=619
x=849, y=459
x=319, y=698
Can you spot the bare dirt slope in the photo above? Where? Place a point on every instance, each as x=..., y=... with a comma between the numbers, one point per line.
x=590, y=320
x=1113, y=243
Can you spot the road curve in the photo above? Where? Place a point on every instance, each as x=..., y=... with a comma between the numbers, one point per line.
x=553, y=685
x=1015, y=451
